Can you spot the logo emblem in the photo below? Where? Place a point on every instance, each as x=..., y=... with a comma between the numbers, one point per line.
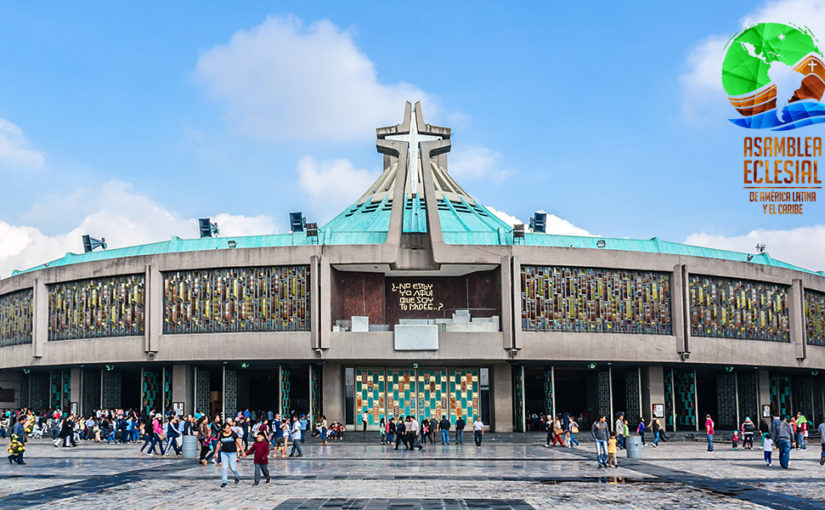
x=775, y=77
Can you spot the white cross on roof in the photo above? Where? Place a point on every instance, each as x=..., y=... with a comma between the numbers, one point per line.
x=413, y=138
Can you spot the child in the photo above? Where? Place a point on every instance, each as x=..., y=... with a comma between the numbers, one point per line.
x=767, y=447
x=261, y=449
x=735, y=440
x=15, y=449
x=611, y=451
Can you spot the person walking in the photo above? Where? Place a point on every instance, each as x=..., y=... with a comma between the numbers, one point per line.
x=382, y=431
x=205, y=440
x=230, y=446
x=611, y=451
x=767, y=448
x=641, y=429
x=459, y=431
x=619, y=428
x=296, y=438
x=414, y=428
x=172, y=434
x=822, y=439
x=784, y=440
x=574, y=429
x=801, y=431
x=278, y=438
x=444, y=426
x=304, y=425
x=364, y=418
x=260, y=448
x=478, y=431
x=748, y=430
x=654, y=426
x=601, y=434
x=391, y=431
x=709, y=431
x=401, y=432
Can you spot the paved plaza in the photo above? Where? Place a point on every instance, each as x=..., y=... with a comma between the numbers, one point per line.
x=369, y=476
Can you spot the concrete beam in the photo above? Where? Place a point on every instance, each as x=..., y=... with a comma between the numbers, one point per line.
x=507, y=315
x=333, y=392
x=796, y=310
x=183, y=387
x=153, y=294
x=764, y=390
x=76, y=388
x=653, y=390
x=314, y=301
x=502, y=397
x=680, y=315
x=40, y=317
x=515, y=285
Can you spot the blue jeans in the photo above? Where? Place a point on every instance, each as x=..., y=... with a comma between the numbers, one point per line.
x=296, y=445
x=151, y=441
x=601, y=451
x=710, y=442
x=800, y=440
x=391, y=438
x=656, y=438
x=459, y=436
x=445, y=437
x=477, y=435
x=231, y=463
x=573, y=440
x=784, y=452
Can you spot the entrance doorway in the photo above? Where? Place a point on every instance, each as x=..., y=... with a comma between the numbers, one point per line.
x=576, y=394
x=706, y=396
x=130, y=388
x=259, y=390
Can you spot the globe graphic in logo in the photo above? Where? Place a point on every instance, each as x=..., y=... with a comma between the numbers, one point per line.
x=774, y=76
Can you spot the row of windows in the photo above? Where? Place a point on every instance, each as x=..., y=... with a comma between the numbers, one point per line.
x=277, y=298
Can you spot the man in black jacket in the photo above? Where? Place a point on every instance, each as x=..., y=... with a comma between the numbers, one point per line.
x=400, y=430
x=459, y=430
x=444, y=426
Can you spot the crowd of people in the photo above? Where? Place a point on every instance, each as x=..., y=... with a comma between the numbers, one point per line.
x=224, y=441
x=409, y=432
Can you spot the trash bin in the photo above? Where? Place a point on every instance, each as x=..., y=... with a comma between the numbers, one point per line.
x=633, y=446
x=190, y=447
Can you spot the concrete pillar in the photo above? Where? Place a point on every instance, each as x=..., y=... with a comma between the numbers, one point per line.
x=314, y=302
x=183, y=389
x=653, y=390
x=763, y=388
x=796, y=309
x=76, y=389
x=515, y=284
x=507, y=317
x=681, y=315
x=325, y=319
x=40, y=317
x=333, y=392
x=502, y=398
x=153, y=293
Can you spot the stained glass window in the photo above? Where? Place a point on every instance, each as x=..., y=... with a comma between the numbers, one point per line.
x=592, y=300
x=815, y=317
x=744, y=309
x=16, y=318
x=275, y=298
x=97, y=307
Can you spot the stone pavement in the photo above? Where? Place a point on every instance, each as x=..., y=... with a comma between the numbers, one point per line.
x=369, y=476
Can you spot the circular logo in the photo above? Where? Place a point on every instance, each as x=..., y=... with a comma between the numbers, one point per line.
x=775, y=77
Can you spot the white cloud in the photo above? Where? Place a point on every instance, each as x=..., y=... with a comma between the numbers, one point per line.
x=555, y=225
x=121, y=215
x=802, y=246
x=14, y=149
x=476, y=162
x=332, y=185
x=284, y=79
x=703, y=95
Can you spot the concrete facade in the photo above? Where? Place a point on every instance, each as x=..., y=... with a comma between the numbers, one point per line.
x=337, y=349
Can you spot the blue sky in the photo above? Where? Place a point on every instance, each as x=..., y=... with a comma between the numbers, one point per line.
x=129, y=122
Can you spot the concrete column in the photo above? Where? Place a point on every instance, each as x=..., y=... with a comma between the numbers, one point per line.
x=333, y=392
x=677, y=307
x=314, y=297
x=654, y=389
x=183, y=389
x=40, y=317
x=515, y=284
x=76, y=389
x=502, y=397
x=763, y=388
x=796, y=309
x=325, y=319
x=154, y=308
x=507, y=316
